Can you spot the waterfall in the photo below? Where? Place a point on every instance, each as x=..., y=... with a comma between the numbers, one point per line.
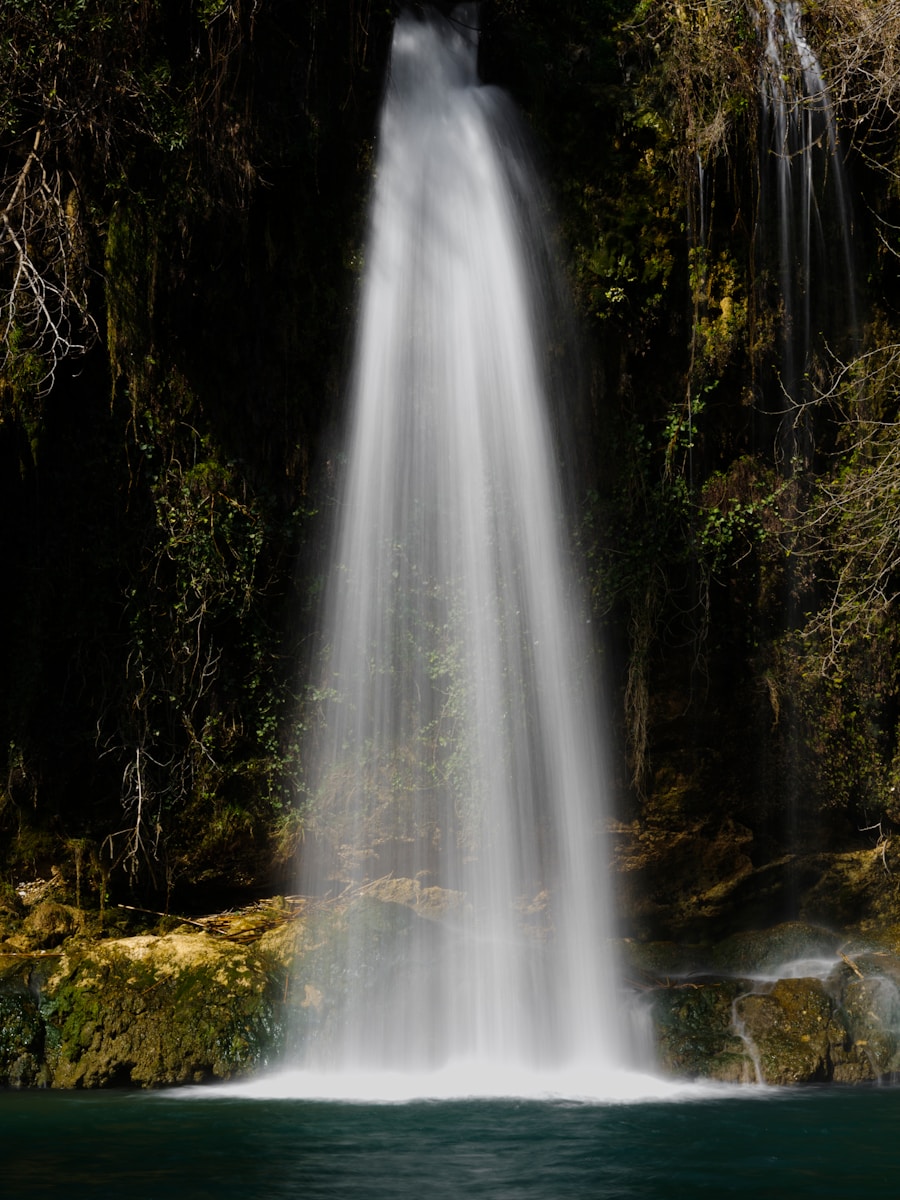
x=806, y=196
x=808, y=266
x=458, y=786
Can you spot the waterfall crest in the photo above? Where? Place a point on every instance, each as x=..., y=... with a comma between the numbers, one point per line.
x=459, y=767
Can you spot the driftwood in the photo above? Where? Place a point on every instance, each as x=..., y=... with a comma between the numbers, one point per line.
x=851, y=964
x=151, y=912
x=256, y=919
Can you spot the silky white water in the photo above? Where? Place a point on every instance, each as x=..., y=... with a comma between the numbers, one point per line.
x=810, y=213
x=459, y=767
x=806, y=244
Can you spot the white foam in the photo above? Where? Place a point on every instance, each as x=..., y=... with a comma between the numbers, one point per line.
x=472, y=1080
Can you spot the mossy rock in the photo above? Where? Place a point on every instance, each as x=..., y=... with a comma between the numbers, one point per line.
x=21, y=1040
x=659, y=961
x=149, y=1011
x=11, y=906
x=800, y=1035
x=48, y=925
x=844, y=1028
x=695, y=1036
x=758, y=952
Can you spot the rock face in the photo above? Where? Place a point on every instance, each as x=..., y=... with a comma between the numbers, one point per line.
x=695, y=1033
x=790, y=1005
x=22, y=1040
x=185, y=1007
x=783, y=1007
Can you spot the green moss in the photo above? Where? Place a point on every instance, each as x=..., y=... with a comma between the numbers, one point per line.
x=21, y=1039
x=695, y=1034
x=157, y=1012
x=797, y=1030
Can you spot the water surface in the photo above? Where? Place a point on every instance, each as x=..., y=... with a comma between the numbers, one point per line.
x=169, y=1146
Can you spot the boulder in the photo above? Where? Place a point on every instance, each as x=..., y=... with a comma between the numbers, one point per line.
x=741, y=1022
x=47, y=925
x=146, y=1011
x=695, y=1033
x=795, y=1030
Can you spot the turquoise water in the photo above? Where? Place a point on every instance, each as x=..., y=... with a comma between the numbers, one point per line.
x=142, y=1146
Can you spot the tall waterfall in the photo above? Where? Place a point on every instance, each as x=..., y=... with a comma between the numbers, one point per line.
x=460, y=763
x=806, y=206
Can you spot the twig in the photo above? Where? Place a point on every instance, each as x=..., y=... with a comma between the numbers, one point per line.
x=851, y=964
x=151, y=912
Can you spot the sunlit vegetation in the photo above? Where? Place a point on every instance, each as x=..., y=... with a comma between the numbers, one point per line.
x=182, y=199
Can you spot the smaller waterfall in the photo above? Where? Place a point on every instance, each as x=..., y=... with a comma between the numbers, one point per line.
x=806, y=199
x=805, y=238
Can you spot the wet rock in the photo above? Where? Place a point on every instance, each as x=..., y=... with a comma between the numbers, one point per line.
x=871, y=1008
x=758, y=952
x=431, y=901
x=695, y=1033
x=795, y=1029
x=21, y=1039
x=189, y=1006
x=842, y=1026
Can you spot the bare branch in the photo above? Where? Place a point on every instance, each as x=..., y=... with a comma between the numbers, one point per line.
x=44, y=315
x=852, y=525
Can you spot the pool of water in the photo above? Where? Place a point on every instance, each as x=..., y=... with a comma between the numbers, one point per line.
x=170, y=1146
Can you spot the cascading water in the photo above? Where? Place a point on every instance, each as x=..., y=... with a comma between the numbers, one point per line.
x=806, y=205
x=806, y=251
x=459, y=766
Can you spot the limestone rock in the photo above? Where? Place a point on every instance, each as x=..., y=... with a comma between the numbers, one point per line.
x=145, y=1011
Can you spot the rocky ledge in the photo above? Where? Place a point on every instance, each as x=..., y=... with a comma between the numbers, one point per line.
x=795, y=1004
x=220, y=997
x=185, y=1006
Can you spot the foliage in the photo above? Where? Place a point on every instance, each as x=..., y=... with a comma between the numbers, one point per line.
x=178, y=221
x=708, y=546
x=844, y=663
x=851, y=528
x=842, y=744
x=202, y=673
x=179, y=237
x=860, y=40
